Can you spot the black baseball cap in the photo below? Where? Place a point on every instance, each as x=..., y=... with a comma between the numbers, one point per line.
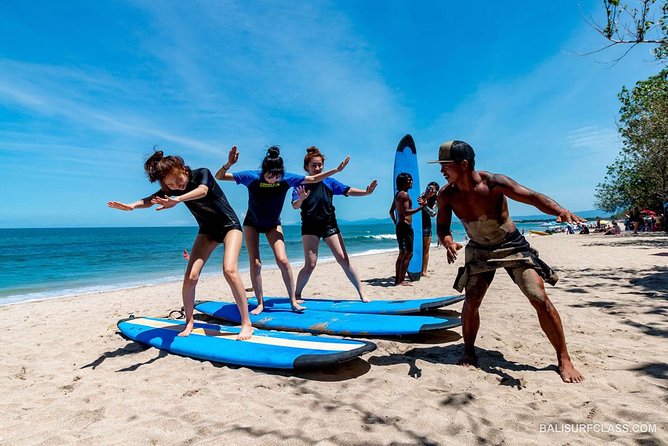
x=453, y=151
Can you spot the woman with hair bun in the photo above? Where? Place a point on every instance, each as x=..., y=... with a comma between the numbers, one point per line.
x=217, y=222
x=319, y=220
x=267, y=188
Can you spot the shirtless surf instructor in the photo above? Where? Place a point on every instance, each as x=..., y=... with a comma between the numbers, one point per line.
x=478, y=199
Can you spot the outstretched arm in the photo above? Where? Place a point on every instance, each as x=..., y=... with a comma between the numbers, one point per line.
x=169, y=202
x=354, y=192
x=232, y=158
x=443, y=231
x=321, y=176
x=523, y=194
x=139, y=204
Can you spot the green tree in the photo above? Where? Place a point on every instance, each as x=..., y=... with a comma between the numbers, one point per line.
x=639, y=175
x=646, y=23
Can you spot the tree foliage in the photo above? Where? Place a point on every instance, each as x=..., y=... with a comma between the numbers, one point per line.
x=645, y=23
x=639, y=175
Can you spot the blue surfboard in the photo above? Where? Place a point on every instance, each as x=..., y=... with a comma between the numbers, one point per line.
x=380, y=306
x=406, y=160
x=329, y=322
x=265, y=349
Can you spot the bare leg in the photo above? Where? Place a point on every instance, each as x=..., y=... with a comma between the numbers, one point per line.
x=475, y=291
x=199, y=254
x=277, y=243
x=426, y=242
x=533, y=287
x=232, y=243
x=405, y=261
x=338, y=248
x=311, y=244
x=252, y=238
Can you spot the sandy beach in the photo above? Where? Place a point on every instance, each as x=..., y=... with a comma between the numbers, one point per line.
x=67, y=377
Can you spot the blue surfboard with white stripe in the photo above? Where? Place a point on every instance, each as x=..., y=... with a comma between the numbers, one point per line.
x=265, y=349
x=329, y=322
x=376, y=306
x=406, y=160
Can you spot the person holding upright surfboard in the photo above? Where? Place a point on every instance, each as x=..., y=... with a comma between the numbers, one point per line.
x=217, y=224
x=267, y=189
x=319, y=220
x=401, y=215
x=479, y=200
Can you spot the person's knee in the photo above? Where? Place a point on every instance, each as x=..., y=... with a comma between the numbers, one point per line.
x=255, y=265
x=282, y=262
x=191, y=278
x=231, y=272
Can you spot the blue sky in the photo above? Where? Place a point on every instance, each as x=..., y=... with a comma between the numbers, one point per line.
x=88, y=88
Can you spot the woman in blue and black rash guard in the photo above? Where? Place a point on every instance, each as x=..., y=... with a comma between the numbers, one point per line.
x=267, y=189
x=319, y=220
x=217, y=224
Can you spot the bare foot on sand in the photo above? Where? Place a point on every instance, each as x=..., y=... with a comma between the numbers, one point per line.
x=365, y=299
x=468, y=359
x=245, y=333
x=259, y=309
x=569, y=374
x=188, y=328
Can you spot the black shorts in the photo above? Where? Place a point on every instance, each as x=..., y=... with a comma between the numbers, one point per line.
x=219, y=234
x=260, y=229
x=405, y=236
x=321, y=229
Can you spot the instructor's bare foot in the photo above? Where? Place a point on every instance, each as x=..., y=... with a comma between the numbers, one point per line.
x=569, y=374
x=365, y=299
x=188, y=328
x=259, y=309
x=468, y=359
x=245, y=333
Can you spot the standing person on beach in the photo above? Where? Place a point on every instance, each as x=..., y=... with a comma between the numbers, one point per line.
x=217, y=224
x=428, y=211
x=403, y=220
x=319, y=220
x=267, y=189
x=478, y=199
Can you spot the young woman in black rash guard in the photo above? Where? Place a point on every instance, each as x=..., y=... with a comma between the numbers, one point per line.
x=217, y=222
x=266, y=194
x=319, y=220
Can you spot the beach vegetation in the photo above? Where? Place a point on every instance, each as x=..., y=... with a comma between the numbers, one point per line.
x=645, y=22
x=639, y=174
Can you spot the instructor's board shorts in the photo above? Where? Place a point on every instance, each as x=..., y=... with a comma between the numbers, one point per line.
x=320, y=229
x=513, y=252
x=405, y=236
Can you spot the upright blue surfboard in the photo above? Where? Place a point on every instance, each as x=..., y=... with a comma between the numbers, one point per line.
x=406, y=160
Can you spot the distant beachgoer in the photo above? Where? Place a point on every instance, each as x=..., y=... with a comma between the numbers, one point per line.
x=186, y=256
x=403, y=220
x=266, y=194
x=636, y=218
x=614, y=229
x=428, y=211
x=479, y=200
x=584, y=229
x=319, y=220
x=217, y=224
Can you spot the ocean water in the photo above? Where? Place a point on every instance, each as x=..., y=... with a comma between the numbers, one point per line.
x=46, y=263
